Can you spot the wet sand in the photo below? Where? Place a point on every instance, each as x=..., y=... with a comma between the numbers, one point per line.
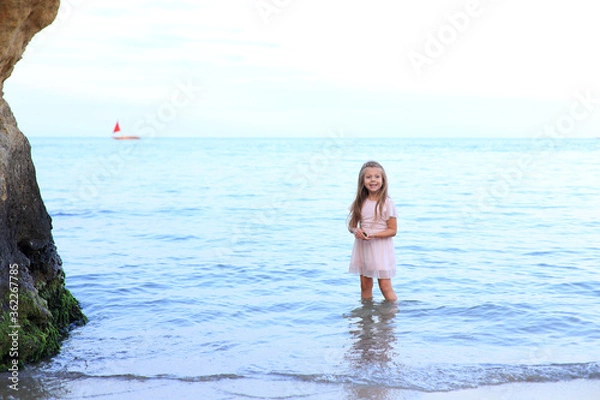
x=570, y=390
x=140, y=389
x=577, y=389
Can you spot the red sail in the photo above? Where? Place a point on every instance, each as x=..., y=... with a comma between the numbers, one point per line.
x=117, y=128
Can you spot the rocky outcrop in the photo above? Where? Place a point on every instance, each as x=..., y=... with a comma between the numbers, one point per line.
x=36, y=310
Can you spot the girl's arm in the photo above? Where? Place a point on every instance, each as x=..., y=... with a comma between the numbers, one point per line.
x=389, y=232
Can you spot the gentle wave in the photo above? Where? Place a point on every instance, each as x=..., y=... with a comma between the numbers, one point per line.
x=444, y=378
x=430, y=378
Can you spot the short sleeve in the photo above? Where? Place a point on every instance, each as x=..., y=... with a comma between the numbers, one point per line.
x=389, y=209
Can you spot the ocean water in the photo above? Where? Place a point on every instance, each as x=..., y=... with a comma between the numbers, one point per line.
x=217, y=268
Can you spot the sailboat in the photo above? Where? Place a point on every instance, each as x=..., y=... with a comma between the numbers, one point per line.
x=118, y=136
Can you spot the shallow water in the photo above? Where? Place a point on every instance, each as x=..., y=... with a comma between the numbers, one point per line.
x=218, y=268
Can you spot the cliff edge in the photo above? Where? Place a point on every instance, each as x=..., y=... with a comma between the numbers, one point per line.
x=36, y=309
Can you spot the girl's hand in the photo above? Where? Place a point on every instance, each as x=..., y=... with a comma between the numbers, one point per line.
x=360, y=234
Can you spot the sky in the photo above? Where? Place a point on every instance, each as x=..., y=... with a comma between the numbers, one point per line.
x=291, y=68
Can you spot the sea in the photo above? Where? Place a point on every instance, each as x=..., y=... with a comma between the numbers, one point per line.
x=218, y=268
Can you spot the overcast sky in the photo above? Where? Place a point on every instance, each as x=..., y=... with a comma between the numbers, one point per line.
x=430, y=68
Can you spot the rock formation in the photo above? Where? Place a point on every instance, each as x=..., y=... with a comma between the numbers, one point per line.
x=36, y=310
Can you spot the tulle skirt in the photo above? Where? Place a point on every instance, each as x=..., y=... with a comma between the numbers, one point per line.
x=374, y=258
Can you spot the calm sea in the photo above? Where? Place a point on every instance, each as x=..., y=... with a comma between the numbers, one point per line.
x=217, y=269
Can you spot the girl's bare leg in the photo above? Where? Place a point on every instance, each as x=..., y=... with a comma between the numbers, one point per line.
x=385, y=285
x=366, y=287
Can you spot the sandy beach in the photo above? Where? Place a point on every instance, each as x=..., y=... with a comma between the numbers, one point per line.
x=578, y=389
x=135, y=389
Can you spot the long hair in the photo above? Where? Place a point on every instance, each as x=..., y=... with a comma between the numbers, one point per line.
x=362, y=193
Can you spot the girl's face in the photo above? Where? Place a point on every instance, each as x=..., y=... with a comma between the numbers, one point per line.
x=373, y=180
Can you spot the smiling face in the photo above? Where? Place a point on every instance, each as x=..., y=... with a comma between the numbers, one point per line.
x=373, y=180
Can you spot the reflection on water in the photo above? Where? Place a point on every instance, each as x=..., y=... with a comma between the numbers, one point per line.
x=373, y=330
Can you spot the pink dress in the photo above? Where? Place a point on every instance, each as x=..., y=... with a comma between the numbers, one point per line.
x=374, y=258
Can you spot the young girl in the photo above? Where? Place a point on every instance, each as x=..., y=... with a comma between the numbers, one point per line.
x=372, y=220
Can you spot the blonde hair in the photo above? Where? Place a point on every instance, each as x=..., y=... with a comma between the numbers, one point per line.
x=362, y=193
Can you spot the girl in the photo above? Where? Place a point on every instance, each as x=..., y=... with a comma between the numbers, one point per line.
x=372, y=220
